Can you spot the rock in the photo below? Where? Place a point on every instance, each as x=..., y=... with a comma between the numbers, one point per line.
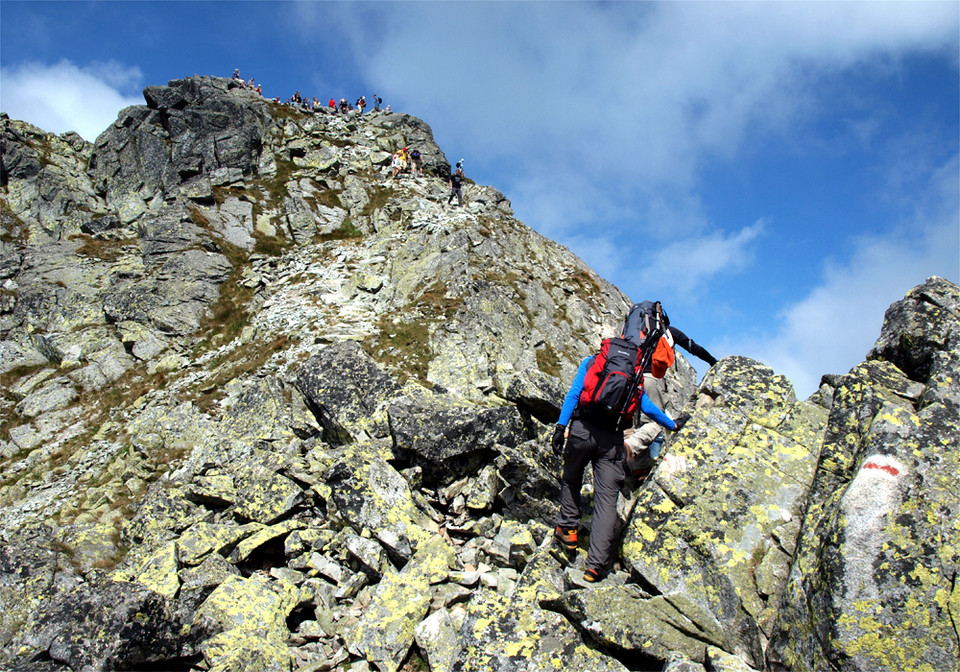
x=868, y=588
x=143, y=343
x=677, y=663
x=189, y=127
x=721, y=661
x=919, y=329
x=28, y=581
x=697, y=535
x=436, y=637
x=370, y=494
x=263, y=536
x=159, y=572
x=448, y=438
x=627, y=619
x=538, y=393
x=55, y=394
x=261, y=415
x=529, y=474
x=112, y=625
x=45, y=180
x=263, y=495
x=387, y=628
x=196, y=583
x=368, y=553
x=254, y=606
x=514, y=635
x=413, y=133
x=346, y=391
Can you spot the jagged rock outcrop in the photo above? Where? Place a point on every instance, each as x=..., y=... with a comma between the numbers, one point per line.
x=274, y=410
x=875, y=586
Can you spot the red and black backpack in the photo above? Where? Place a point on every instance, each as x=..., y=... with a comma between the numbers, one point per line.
x=613, y=382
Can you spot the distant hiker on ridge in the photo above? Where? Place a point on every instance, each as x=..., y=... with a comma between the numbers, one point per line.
x=395, y=165
x=456, y=180
x=416, y=162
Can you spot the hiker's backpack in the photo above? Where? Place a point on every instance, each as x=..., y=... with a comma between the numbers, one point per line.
x=613, y=383
x=647, y=326
x=415, y=154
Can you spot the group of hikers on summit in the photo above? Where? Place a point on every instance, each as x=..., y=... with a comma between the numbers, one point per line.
x=311, y=105
x=619, y=387
x=402, y=161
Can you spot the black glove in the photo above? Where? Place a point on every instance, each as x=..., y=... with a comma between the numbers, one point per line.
x=557, y=441
x=681, y=421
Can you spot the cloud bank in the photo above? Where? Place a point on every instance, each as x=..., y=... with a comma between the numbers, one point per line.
x=834, y=326
x=65, y=97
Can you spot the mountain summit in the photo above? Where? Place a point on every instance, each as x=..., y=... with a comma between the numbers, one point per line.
x=267, y=406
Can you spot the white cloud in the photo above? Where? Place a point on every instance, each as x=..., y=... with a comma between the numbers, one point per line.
x=835, y=325
x=630, y=99
x=693, y=261
x=64, y=97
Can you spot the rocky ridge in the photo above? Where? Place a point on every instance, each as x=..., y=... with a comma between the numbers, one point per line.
x=265, y=408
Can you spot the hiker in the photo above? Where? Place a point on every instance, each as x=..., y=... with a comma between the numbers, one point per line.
x=416, y=162
x=596, y=439
x=644, y=443
x=236, y=75
x=259, y=89
x=332, y=104
x=404, y=159
x=361, y=103
x=456, y=180
x=376, y=102
x=395, y=164
x=344, y=105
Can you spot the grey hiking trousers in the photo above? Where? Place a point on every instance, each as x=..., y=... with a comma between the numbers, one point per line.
x=602, y=447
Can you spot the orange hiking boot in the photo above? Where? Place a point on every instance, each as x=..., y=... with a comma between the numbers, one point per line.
x=566, y=539
x=591, y=575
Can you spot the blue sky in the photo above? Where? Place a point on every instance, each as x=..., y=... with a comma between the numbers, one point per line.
x=776, y=173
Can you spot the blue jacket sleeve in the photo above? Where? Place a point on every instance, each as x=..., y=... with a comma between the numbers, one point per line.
x=653, y=411
x=573, y=394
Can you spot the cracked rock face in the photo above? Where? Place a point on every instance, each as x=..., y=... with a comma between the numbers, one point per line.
x=875, y=582
x=267, y=408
